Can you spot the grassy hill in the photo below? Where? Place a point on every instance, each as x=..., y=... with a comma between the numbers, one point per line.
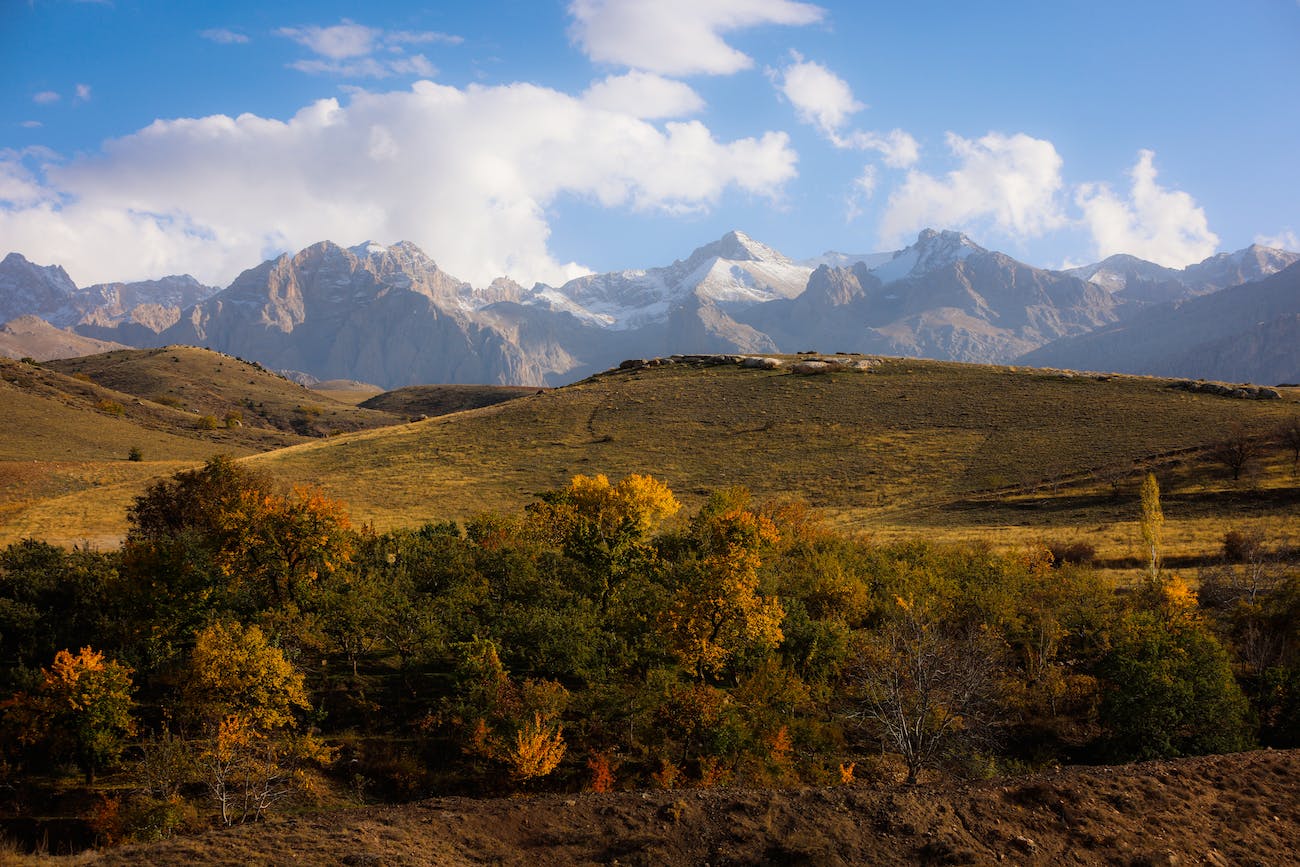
x=68, y=427
x=209, y=383
x=911, y=447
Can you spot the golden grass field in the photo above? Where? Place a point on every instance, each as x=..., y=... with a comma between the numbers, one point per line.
x=909, y=449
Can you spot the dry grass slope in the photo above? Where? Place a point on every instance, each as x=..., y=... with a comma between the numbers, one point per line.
x=434, y=400
x=911, y=447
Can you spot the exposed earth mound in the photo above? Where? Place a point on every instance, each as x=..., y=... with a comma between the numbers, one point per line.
x=1238, y=809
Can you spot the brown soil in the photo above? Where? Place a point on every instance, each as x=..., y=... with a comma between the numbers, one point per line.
x=1241, y=809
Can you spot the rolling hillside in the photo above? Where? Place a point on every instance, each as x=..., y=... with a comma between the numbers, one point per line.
x=65, y=437
x=908, y=447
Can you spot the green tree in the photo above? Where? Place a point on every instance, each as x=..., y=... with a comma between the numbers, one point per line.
x=1169, y=690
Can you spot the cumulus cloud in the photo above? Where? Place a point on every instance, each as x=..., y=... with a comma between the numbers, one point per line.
x=45, y=97
x=1004, y=183
x=348, y=49
x=825, y=101
x=1162, y=226
x=222, y=36
x=819, y=96
x=468, y=174
x=677, y=37
x=31, y=124
x=1286, y=239
x=644, y=95
x=83, y=93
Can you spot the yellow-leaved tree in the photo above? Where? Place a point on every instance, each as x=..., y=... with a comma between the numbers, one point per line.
x=604, y=526
x=246, y=695
x=717, y=608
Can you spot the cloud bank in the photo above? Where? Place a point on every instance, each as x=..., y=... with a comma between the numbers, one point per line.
x=468, y=174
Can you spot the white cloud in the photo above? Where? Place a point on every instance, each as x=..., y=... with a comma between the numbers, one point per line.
x=1286, y=239
x=222, y=36
x=644, y=95
x=1008, y=184
x=31, y=124
x=1159, y=225
x=466, y=174
x=339, y=42
x=677, y=37
x=83, y=93
x=820, y=97
x=45, y=97
x=860, y=192
x=824, y=100
x=347, y=49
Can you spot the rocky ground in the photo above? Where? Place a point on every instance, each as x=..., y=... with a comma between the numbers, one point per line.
x=1240, y=809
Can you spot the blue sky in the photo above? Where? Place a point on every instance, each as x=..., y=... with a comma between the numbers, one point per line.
x=540, y=138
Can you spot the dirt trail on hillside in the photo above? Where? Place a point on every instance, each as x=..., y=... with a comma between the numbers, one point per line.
x=1219, y=810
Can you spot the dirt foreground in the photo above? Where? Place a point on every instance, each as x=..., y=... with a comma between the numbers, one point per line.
x=1219, y=810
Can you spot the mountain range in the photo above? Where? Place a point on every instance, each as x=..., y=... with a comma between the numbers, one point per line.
x=389, y=315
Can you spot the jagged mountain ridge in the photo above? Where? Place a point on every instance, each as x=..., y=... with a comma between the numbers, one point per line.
x=390, y=315
x=46, y=291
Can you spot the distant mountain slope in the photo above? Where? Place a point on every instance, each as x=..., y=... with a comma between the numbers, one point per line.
x=1243, y=333
x=1142, y=282
x=33, y=337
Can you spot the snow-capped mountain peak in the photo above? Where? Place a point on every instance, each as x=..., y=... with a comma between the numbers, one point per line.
x=932, y=251
x=736, y=246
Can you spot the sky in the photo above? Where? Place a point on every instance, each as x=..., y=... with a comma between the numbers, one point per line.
x=543, y=139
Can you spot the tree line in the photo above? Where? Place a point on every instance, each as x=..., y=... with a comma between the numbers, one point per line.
x=247, y=643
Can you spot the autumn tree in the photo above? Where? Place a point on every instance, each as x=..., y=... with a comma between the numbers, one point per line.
x=512, y=723
x=233, y=670
x=1152, y=525
x=717, y=609
x=605, y=527
x=85, y=707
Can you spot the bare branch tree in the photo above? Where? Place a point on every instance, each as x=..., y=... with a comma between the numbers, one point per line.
x=926, y=689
